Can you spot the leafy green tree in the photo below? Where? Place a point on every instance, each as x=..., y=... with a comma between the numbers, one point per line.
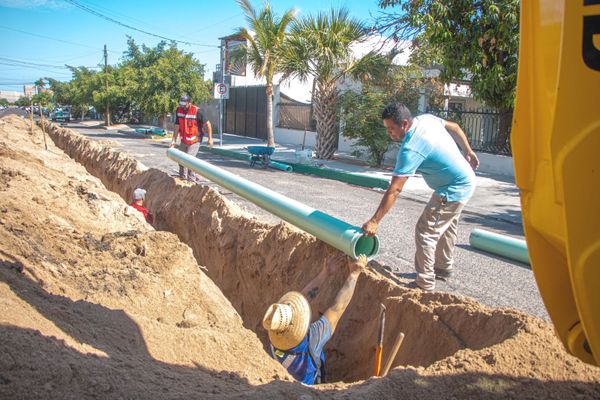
x=79, y=92
x=23, y=101
x=320, y=47
x=60, y=90
x=265, y=35
x=119, y=97
x=4, y=102
x=477, y=40
x=360, y=112
x=157, y=77
x=43, y=99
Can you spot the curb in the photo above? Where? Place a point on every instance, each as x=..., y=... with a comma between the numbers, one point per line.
x=328, y=173
x=348, y=177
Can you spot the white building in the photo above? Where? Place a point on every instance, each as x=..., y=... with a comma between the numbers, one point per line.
x=10, y=95
x=296, y=91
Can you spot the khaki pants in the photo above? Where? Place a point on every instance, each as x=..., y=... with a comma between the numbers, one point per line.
x=192, y=150
x=435, y=237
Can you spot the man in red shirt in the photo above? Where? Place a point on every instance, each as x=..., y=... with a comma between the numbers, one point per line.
x=189, y=125
x=139, y=195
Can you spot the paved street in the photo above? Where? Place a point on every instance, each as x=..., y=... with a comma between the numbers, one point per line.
x=492, y=280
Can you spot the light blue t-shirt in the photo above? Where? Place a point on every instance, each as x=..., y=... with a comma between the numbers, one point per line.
x=429, y=150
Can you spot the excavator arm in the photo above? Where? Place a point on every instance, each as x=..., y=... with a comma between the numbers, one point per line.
x=556, y=150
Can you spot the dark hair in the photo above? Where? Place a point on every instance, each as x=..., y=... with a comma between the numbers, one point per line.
x=396, y=112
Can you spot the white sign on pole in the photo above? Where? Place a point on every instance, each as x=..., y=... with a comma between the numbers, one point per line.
x=221, y=91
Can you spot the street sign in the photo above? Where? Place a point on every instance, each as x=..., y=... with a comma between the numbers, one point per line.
x=221, y=91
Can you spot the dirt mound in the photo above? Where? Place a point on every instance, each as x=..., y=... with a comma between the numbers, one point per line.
x=454, y=347
x=96, y=303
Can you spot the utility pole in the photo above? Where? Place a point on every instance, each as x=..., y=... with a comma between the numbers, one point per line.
x=31, y=114
x=221, y=111
x=107, y=113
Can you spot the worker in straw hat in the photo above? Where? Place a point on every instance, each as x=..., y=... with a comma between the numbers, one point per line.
x=295, y=342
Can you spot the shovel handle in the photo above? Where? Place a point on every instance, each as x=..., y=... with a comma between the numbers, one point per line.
x=393, y=354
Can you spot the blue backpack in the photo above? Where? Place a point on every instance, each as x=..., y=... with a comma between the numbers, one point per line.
x=304, y=366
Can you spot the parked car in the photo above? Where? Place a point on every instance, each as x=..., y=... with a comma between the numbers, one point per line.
x=61, y=114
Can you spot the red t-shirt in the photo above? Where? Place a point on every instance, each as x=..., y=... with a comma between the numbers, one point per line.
x=144, y=211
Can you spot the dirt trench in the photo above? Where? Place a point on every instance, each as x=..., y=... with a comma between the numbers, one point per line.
x=254, y=263
x=454, y=346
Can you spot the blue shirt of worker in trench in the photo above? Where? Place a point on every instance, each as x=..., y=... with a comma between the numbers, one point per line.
x=306, y=361
x=428, y=149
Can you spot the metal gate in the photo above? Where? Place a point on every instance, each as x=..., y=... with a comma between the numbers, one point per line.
x=246, y=112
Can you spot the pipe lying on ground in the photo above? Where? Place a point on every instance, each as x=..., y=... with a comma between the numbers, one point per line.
x=280, y=166
x=339, y=234
x=506, y=246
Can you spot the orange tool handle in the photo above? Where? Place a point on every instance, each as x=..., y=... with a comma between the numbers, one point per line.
x=378, y=353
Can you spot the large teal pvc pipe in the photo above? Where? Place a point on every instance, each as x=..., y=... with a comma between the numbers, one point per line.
x=339, y=234
x=506, y=246
x=280, y=166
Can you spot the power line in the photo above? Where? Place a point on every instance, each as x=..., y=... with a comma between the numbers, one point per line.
x=61, y=61
x=204, y=28
x=28, y=63
x=21, y=63
x=52, y=71
x=50, y=38
x=117, y=14
x=98, y=14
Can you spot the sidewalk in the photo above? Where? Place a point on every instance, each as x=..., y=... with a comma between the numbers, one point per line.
x=496, y=196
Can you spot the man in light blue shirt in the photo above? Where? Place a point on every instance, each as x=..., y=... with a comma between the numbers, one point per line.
x=429, y=147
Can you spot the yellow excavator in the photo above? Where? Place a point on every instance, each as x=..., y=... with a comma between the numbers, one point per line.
x=556, y=150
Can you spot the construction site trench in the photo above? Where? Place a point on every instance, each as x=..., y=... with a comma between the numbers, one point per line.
x=253, y=263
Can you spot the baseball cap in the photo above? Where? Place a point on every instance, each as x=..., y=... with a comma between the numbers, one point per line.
x=185, y=98
x=139, y=194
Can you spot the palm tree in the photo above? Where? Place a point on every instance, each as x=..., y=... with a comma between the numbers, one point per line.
x=265, y=36
x=320, y=47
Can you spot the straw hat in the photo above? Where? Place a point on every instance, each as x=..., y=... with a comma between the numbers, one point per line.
x=287, y=320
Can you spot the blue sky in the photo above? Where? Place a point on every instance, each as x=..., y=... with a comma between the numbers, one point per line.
x=27, y=30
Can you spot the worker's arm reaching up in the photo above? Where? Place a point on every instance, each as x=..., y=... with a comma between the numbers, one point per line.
x=459, y=137
x=330, y=266
x=334, y=313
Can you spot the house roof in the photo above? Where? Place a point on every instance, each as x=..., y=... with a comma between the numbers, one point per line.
x=233, y=36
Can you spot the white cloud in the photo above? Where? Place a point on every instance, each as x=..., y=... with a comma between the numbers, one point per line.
x=33, y=3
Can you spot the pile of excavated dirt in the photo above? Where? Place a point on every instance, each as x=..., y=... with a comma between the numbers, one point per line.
x=107, y=306
x=96, y=303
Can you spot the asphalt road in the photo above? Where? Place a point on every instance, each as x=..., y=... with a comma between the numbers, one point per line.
x=494, y=281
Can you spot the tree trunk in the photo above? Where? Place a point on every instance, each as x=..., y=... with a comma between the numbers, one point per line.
x=505, y=124
x=270, y=137
x=325, y=113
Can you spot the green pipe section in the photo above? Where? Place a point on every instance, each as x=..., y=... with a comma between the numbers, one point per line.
x=506, y=246
x=226, y=153
x=280, y=166
x=329, y=173
x=339, y=234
